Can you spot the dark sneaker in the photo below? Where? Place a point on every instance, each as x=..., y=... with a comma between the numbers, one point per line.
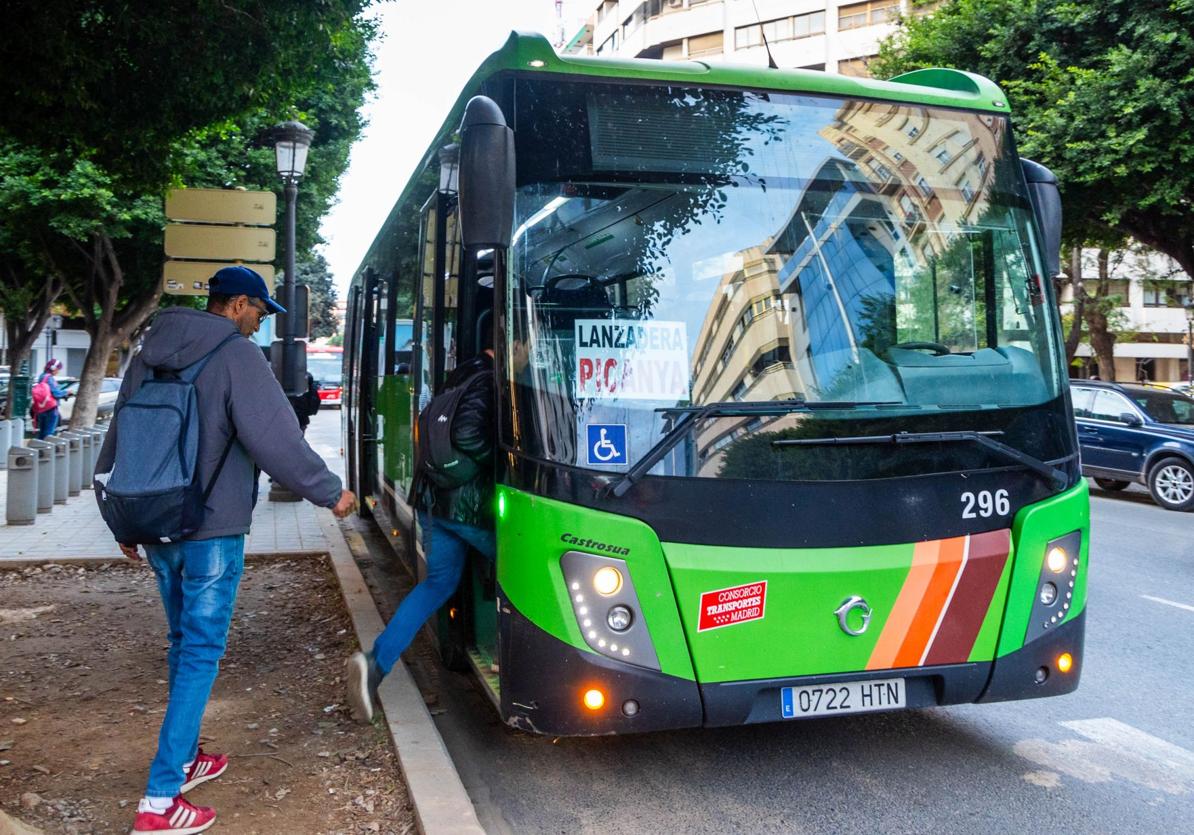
x=363, y=678
x=205, y=767
x=182, y=818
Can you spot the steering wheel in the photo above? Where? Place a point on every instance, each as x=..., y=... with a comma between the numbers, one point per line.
x=936, y=347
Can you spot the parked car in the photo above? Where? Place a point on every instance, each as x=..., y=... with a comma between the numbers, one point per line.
x=1137, y=433
x=109, y=388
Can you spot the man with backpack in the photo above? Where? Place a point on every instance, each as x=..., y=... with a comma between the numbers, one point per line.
x=453, y=492
x=46, y=395
x=198, y=413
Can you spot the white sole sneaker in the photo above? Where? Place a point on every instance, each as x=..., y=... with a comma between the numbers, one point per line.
x=359, y=698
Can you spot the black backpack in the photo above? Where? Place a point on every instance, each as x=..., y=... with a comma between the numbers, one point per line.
x=436, y=459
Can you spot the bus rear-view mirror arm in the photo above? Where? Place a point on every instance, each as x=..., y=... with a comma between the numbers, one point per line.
x=1046, y=205
x=486, y=175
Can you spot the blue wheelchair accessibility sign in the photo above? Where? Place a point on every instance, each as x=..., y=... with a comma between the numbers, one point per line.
x=606, y=444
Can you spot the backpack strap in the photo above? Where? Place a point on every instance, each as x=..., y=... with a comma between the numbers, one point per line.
x=215, y=476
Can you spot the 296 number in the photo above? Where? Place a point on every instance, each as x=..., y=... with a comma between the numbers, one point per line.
x=985, y=504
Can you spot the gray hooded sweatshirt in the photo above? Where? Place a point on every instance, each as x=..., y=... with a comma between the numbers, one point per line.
x=236, y=391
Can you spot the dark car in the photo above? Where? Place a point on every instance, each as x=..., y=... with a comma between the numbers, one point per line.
x=1137, y=433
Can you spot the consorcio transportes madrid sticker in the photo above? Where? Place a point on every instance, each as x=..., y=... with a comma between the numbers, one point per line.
x=727, y=607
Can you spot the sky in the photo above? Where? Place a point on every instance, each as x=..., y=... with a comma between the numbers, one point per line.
x=426, y=52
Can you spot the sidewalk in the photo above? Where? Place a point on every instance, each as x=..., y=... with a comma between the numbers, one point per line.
x=75, y=530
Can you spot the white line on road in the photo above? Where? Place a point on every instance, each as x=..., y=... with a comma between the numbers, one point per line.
x=1111, y=750
x=1168, y=602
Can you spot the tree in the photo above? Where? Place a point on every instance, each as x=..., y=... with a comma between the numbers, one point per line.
x=316, y=276
x=123, y=82
x=181, y=128
x=1102, y=93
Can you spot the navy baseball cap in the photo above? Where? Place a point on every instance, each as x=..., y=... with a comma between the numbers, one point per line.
x=241, y=281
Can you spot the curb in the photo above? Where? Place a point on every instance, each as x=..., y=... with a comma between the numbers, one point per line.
x=22, y=561
x=437, y=793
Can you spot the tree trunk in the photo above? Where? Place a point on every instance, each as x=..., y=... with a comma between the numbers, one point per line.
x=1102, y=339
x=1074, y=337
x=109, y=327
x=26, y=303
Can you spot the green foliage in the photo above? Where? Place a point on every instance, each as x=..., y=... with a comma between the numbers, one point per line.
x=123, y=82
x=1102, y=93
x=315, y=275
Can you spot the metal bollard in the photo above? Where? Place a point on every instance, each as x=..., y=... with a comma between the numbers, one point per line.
x=45, y=474
x=61, y=468
x=18, y=431
x=90, y=450
x=21, y=504
x=5, y=441
x=74, y=475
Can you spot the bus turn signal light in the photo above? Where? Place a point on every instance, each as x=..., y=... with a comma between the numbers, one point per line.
x=1065, y=662
x=594, y=699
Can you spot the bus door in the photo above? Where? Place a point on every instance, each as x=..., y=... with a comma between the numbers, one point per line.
x=367, y=352
x=352, y=385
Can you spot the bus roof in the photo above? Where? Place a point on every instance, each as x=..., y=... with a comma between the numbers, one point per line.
x=531, y=53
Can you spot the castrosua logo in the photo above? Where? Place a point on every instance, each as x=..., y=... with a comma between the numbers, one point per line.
x=594, y=545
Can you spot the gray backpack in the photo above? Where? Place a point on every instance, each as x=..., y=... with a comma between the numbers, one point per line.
x=152, y=493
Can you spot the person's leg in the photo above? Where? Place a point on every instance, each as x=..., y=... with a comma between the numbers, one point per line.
x=211, y=571
x=445, y=554
x=47, y=423
x=166, y=562
x=484, y=540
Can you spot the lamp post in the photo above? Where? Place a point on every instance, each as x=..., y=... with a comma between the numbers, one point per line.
x=292, y=140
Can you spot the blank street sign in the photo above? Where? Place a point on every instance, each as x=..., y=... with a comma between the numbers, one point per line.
x=220, y=243
x=215, y=205
x=189, y=278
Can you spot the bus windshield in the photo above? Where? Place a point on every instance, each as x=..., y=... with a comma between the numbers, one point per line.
x=676, y=247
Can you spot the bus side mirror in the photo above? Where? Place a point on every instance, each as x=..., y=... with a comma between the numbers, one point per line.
x=486, y=175
x=1046, y=205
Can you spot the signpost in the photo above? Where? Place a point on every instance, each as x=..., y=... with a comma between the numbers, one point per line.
x=216, y=228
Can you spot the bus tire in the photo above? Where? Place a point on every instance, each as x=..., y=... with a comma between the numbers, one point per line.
x=1171, y=484
x=1111, y=483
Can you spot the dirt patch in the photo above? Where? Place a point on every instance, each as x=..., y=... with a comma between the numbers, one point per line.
x=83, y=690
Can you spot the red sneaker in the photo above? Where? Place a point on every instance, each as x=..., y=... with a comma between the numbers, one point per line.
x=182, y=818
x=205, y=767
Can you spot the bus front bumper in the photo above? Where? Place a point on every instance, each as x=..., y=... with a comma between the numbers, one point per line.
x=544, y=682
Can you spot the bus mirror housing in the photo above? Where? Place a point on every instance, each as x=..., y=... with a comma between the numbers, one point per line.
x=486, y=175
x=1046, y=204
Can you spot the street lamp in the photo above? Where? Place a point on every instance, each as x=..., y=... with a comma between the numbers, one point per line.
x=292, y=140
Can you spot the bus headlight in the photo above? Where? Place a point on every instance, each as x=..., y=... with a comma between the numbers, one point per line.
x=1055, y=585
x=1057, y=560
x=606, y=607
x=607, y=580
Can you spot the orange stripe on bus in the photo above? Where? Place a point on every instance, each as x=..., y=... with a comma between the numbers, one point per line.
x=924, y=562
x=949, y=562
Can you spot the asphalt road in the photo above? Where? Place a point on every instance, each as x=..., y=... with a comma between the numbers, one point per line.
x=1116, y=756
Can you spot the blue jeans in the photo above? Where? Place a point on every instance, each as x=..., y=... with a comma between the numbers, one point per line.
x=47, y=422
x=198, y=581
x=445, y=545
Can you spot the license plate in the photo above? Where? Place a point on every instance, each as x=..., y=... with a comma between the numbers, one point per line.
x=844, y=697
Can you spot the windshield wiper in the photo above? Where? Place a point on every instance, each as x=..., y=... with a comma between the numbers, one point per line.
x=1045, y=470
x=692, y=415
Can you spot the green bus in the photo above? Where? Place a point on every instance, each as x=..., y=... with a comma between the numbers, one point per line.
x=783, y=428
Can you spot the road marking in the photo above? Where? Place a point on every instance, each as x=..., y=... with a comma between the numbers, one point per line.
x=1111, y=750
x=1168, y=602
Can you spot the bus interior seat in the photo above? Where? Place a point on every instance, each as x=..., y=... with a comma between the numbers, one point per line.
x=995, y=376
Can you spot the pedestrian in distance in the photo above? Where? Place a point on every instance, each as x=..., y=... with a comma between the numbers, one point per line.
x=242, y=422
x=452, y=517
x=47, y=394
